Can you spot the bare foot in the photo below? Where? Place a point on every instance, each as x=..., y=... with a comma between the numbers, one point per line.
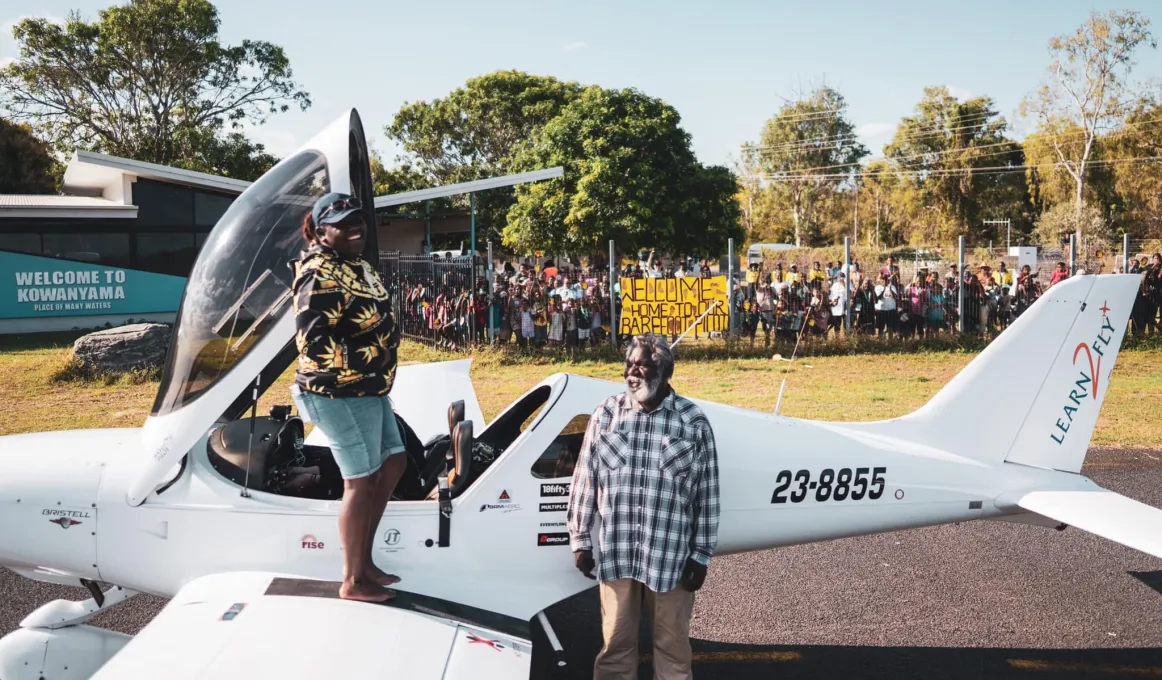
x=364, y=592
x=379, y=577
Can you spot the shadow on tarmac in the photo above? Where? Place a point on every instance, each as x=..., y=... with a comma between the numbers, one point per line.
x=577, y=622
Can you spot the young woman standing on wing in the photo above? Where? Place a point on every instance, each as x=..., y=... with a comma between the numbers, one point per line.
x=347, y=342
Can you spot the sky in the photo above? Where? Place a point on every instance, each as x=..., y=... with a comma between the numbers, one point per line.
x=726, y=66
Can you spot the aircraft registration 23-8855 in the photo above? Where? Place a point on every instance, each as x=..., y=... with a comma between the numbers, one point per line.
x=183, y=506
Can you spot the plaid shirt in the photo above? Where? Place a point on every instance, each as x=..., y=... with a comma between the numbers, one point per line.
x=652, y=477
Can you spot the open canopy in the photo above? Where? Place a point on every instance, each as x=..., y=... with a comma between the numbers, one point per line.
x=236, y=321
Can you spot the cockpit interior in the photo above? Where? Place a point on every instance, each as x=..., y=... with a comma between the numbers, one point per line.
x=274, y=458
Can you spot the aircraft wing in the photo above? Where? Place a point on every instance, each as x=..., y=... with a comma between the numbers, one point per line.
x=258, y=625
x=1105, y=513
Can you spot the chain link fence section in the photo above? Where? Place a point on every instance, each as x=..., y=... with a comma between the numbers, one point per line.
x=785, y=296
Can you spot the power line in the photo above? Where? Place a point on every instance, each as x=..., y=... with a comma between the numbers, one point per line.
x=968, y=148
x=999, y=169
x=930, y=131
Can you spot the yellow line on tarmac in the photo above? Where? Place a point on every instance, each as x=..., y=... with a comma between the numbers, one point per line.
x=738, y=656
x=1065, y=666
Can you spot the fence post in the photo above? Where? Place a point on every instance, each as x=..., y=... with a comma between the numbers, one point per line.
x=490, y=292
x=613, y=326
x=729, y=288
x=847, y=284
x=1125, y=253
x=960, y=285
x=1072, y=254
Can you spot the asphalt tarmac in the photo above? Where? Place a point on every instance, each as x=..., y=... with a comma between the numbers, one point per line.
x=984, y=599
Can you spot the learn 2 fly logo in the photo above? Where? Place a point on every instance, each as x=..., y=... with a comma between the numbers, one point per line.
x=1087, y=358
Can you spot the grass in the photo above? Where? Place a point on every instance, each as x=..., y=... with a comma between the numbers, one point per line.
x=42, y=391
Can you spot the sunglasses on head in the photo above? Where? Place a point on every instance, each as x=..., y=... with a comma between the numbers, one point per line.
x=340, y=205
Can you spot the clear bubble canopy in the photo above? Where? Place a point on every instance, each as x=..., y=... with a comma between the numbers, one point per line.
x=241, y=282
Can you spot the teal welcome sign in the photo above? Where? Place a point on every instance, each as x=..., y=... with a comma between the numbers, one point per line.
x=32, y=286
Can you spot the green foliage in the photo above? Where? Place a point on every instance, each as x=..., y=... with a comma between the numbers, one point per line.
x=1057, y=223
x=1087, y=88
x=475, y=132
x=942, y=144
x=630, y=175
x=809, y=148
x=1138, y=186
x=26, y=163
x=149, y=80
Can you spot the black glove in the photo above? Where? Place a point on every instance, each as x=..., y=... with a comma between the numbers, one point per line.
x=693, y=574
x=585, y=563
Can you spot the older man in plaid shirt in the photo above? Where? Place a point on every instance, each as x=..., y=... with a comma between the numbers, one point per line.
x=648, y=468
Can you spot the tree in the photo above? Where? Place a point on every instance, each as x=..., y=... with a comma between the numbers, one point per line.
x=630, y=175
x=231, y=155
x=809, y=149
x=26, y=163
x=478, y=129
x=878, y=183
x=148, y=80
x=709, y=215
x=1138, y=182
x=476, y=132
x=950, y=148
x=1087, y=86
x=1055, y=226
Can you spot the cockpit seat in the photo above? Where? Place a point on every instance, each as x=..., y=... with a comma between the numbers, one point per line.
x=460, y=470
x=436, y=449
x=235, y=458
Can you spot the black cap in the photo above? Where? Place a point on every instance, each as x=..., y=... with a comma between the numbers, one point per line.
x=337, y=215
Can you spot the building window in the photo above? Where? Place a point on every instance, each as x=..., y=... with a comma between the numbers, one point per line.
x=163, y=205
x=111, y=250
x=171, y=253
x=209, y=208
x=21, y=243
x=560, y=457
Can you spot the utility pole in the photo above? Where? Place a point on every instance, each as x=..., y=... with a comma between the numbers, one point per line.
x=1008, y=231
x=855, y=224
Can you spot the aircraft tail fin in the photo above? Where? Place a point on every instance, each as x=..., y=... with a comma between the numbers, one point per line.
x=1033, y=395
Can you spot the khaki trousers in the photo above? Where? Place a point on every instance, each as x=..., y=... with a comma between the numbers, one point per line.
x=621, y=609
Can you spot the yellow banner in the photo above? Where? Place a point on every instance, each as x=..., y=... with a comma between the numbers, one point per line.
x=669, y=306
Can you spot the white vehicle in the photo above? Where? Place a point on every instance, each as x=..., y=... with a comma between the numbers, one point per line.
x=180, y=508
x=754, y=254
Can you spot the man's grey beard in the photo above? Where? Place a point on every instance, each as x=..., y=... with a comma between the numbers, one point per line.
x=647, y=392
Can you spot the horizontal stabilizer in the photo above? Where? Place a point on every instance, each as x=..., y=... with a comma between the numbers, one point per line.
x=1105, y=513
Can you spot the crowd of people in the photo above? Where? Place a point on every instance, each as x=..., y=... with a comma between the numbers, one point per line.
x=1148, y=305
x=526, y=305
x=789, y=303
x=570, y=307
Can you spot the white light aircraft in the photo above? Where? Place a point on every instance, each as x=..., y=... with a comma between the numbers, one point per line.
x=183, y=507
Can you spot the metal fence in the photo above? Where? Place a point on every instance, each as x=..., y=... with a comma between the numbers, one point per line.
x=457, y=301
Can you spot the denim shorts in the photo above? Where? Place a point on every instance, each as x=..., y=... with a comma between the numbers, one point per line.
x=362, y=431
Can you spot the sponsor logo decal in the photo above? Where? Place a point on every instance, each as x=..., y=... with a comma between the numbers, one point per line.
x=392, y=541
x=309, y=542
x=555, y=489
x=65, y=518
x=554, y=507
x=552, y=524
x=476, y=639
x=231, y=613
x=1089, y=373
x=560, y=538
x=162, y=448
x=503, y=503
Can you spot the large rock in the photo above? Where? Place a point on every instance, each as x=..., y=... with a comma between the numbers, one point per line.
x=140, y=346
